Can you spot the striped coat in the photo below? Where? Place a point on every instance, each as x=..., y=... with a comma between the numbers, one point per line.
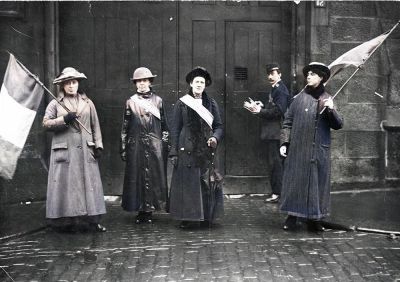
x=306, y=179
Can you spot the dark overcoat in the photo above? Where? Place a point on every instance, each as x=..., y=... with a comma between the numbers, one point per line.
x=272, y=114
x=74, y=184
x=145, y=182
x=189, y=184
x=306, y=179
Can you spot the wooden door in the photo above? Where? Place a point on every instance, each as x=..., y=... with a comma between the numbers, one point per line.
x=247, y=35
x=250, y=46
x=107, y=41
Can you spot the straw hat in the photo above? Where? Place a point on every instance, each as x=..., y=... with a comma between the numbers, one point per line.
x=68, y=74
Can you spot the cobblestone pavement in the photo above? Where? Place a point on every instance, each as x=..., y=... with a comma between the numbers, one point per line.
x=248, y=244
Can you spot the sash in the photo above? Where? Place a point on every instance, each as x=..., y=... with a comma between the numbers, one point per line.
x=198, y=108
x=146, y=105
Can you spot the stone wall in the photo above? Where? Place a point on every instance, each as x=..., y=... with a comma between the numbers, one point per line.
x=363, y=152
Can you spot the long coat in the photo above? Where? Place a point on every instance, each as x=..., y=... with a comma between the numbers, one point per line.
x=74, y=184
x=306, y=179
x=273, y=112
x=145, y=182
x=189, y=184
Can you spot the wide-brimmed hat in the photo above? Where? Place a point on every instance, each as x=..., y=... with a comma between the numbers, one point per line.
x=68, y=74
x=199, y=71
x=142, y=73
x=271, y=67
x=318, y=68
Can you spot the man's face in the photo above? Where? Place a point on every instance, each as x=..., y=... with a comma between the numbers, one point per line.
x=273, y=77
x=143, y=85
x=198, y=84
x=313, y=79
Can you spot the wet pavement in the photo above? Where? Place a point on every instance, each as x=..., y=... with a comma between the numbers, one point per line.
x=248, y=244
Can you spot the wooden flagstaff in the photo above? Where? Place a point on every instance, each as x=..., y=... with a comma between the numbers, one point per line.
x=360, y=66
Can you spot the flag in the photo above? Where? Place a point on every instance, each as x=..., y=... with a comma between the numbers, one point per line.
x=20, y=97
x=358, y=55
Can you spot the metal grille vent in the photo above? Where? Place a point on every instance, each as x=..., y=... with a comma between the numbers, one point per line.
x=240, y=73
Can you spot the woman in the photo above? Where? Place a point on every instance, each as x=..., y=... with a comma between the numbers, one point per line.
x=144, y=138
x=74, y=190
x=197, y=130
x=306, y=140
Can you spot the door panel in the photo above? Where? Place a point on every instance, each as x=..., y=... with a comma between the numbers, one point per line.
x=250, y=45
x=107, y=41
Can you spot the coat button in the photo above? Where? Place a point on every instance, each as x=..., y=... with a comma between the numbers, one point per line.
x=189, y=166
x=79, y=147
x=189, y=152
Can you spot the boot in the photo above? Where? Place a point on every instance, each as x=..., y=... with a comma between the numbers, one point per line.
x=290, y=223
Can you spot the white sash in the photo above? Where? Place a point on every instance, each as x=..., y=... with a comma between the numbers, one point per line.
x=146, y=105
x=199, y=109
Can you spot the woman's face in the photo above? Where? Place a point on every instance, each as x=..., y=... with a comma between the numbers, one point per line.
x=198, y=84
x=71, y=87
x=143, y=85
x=313, y=79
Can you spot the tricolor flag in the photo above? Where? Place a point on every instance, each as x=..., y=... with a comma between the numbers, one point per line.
x=358, y=55
x=20, y=97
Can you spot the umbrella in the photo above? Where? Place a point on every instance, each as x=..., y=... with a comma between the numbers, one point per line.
x=214, y=190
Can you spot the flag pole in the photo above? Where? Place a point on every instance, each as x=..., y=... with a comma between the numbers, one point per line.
x=48, y=91
x=360, y=66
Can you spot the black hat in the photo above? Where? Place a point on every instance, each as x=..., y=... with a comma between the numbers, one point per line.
x=272, y=67
x=199, y=71
x=318, y=68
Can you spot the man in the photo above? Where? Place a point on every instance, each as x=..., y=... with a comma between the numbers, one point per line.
x=272, y=114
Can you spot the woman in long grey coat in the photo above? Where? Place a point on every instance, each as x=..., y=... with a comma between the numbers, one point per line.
x=74, y=190
x=144, y=141
x=306, y=140
x=196, y=128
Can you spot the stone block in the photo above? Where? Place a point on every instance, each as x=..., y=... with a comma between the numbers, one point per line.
x=354, y=29
x=361, y=117
x=338, y=144
x=345, y=8
x=392, y=169
x=367, y=144
x=362, y=88
x=356, y=170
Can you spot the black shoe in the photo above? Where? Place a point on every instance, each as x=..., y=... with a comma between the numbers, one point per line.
x=205, y=223
x=148, y=217
x=98, y=227
x=290, y=223
x=274, y=198
x=184, y=224
x=315, y=226
x=141, y=217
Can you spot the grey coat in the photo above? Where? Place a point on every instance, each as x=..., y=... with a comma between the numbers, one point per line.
x=306, y=179
x=74, y=184
x=189, y=184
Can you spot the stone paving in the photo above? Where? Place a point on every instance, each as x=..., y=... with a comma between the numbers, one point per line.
x=248, y=244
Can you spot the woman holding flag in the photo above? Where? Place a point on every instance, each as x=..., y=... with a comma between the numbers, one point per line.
x=144, y=142
x=306, y=139
x=74, y=190
x=196, y=132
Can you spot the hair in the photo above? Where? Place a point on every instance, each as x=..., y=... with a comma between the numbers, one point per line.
x=151, y=79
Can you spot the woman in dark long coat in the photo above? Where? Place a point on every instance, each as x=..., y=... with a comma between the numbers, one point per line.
x=144, y=136
x=306, y=140
x=195, y=132
x=74, y=190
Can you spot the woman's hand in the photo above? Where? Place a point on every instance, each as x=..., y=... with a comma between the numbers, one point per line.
x=328, y=103
x=212, y=142
x=283, y=151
